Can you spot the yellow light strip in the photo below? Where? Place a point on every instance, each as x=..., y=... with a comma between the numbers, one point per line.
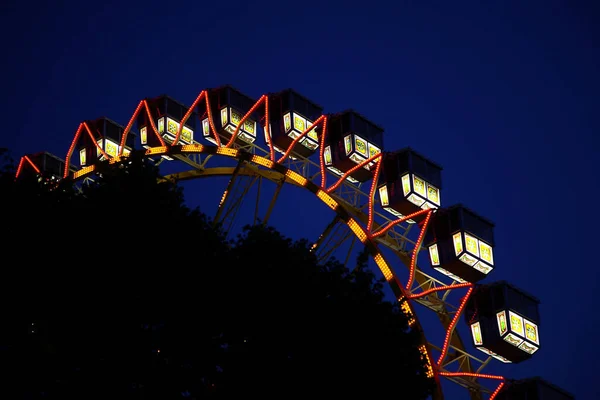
x=327, y=199
x=157, y=150
x=296, y=177
x=262, y=161
x=227, y=151
x=357, y=229
x=192, y=148
x=383, y=266
x=84, y=171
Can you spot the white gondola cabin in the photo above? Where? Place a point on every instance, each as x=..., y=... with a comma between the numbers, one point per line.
x=460, y=244
x=409, y=182
x=167, y=114
x=106, y=136
x=228, y=107
x=504, y=321
x=290, y=114
x=350, y=140
x=42, y=167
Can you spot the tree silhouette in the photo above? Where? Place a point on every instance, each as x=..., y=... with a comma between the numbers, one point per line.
x=121, y=291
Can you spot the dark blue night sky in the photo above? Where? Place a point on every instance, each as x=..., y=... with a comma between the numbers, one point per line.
x=504, y=95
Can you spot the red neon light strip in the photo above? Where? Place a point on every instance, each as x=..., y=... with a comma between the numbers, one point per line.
x=322, y=154
x=22, y=163
x=187, y=115
x=396, y=222
x=453, y=325
x=19, y=167
x=498, y=389
x=437, y=289
x=372, y=194
x=244, y=118
x=211, y=122
x=413, y=259
x=291, y=146
x=351, y=170
x=37, y=170
x=73, y=143
x=128, y=127
x=89, y=132
x=472, y=375
x=268, y=130
x=149, y=114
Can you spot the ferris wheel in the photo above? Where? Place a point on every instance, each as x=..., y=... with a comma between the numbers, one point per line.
x=389, y=201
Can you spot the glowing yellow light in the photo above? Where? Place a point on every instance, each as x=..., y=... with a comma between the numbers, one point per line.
x=296, y=177
x=262, y=161
x=526, y=347
x=192, y=148
x=357, y=229
x=472, y=245
x=327, y=199
x=428, y=367
x=226, y=151
x=157, y=150
x=144, y=135
x=223, y=198
x=383, y=196
x=476, y=332
x=82, y=157
x=385, y=269
x=516, y=323
x=457, y=239
x=434, y=255
x=407, y=312
x=406, y=184
x=485, y=252
x=531, y=331
x=84, y=171
x=111, y=148
x=501, y=318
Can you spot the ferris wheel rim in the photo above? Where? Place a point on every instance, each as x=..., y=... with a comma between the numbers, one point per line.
x=280, y=171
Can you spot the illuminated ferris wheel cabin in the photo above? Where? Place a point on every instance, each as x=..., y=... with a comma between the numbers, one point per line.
x=102, y=140
x=166, y=115
x=409, y=182
x=42, y=166
x=461, y=244
x=290, y=115
x=350, y=140
x=228, y=107
x=504, y=321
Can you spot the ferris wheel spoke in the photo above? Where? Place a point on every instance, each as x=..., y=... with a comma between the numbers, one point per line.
x=335, y=236
x=273, y=200
x=227, y=193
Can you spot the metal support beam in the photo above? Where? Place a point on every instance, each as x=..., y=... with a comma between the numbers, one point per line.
x=237, y=196
x=333, y=237
x=273, y=201
x=234, y=176
x=256, y=206
x=325, y=233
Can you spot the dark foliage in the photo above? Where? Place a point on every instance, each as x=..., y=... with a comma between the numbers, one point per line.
x=120, y=291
